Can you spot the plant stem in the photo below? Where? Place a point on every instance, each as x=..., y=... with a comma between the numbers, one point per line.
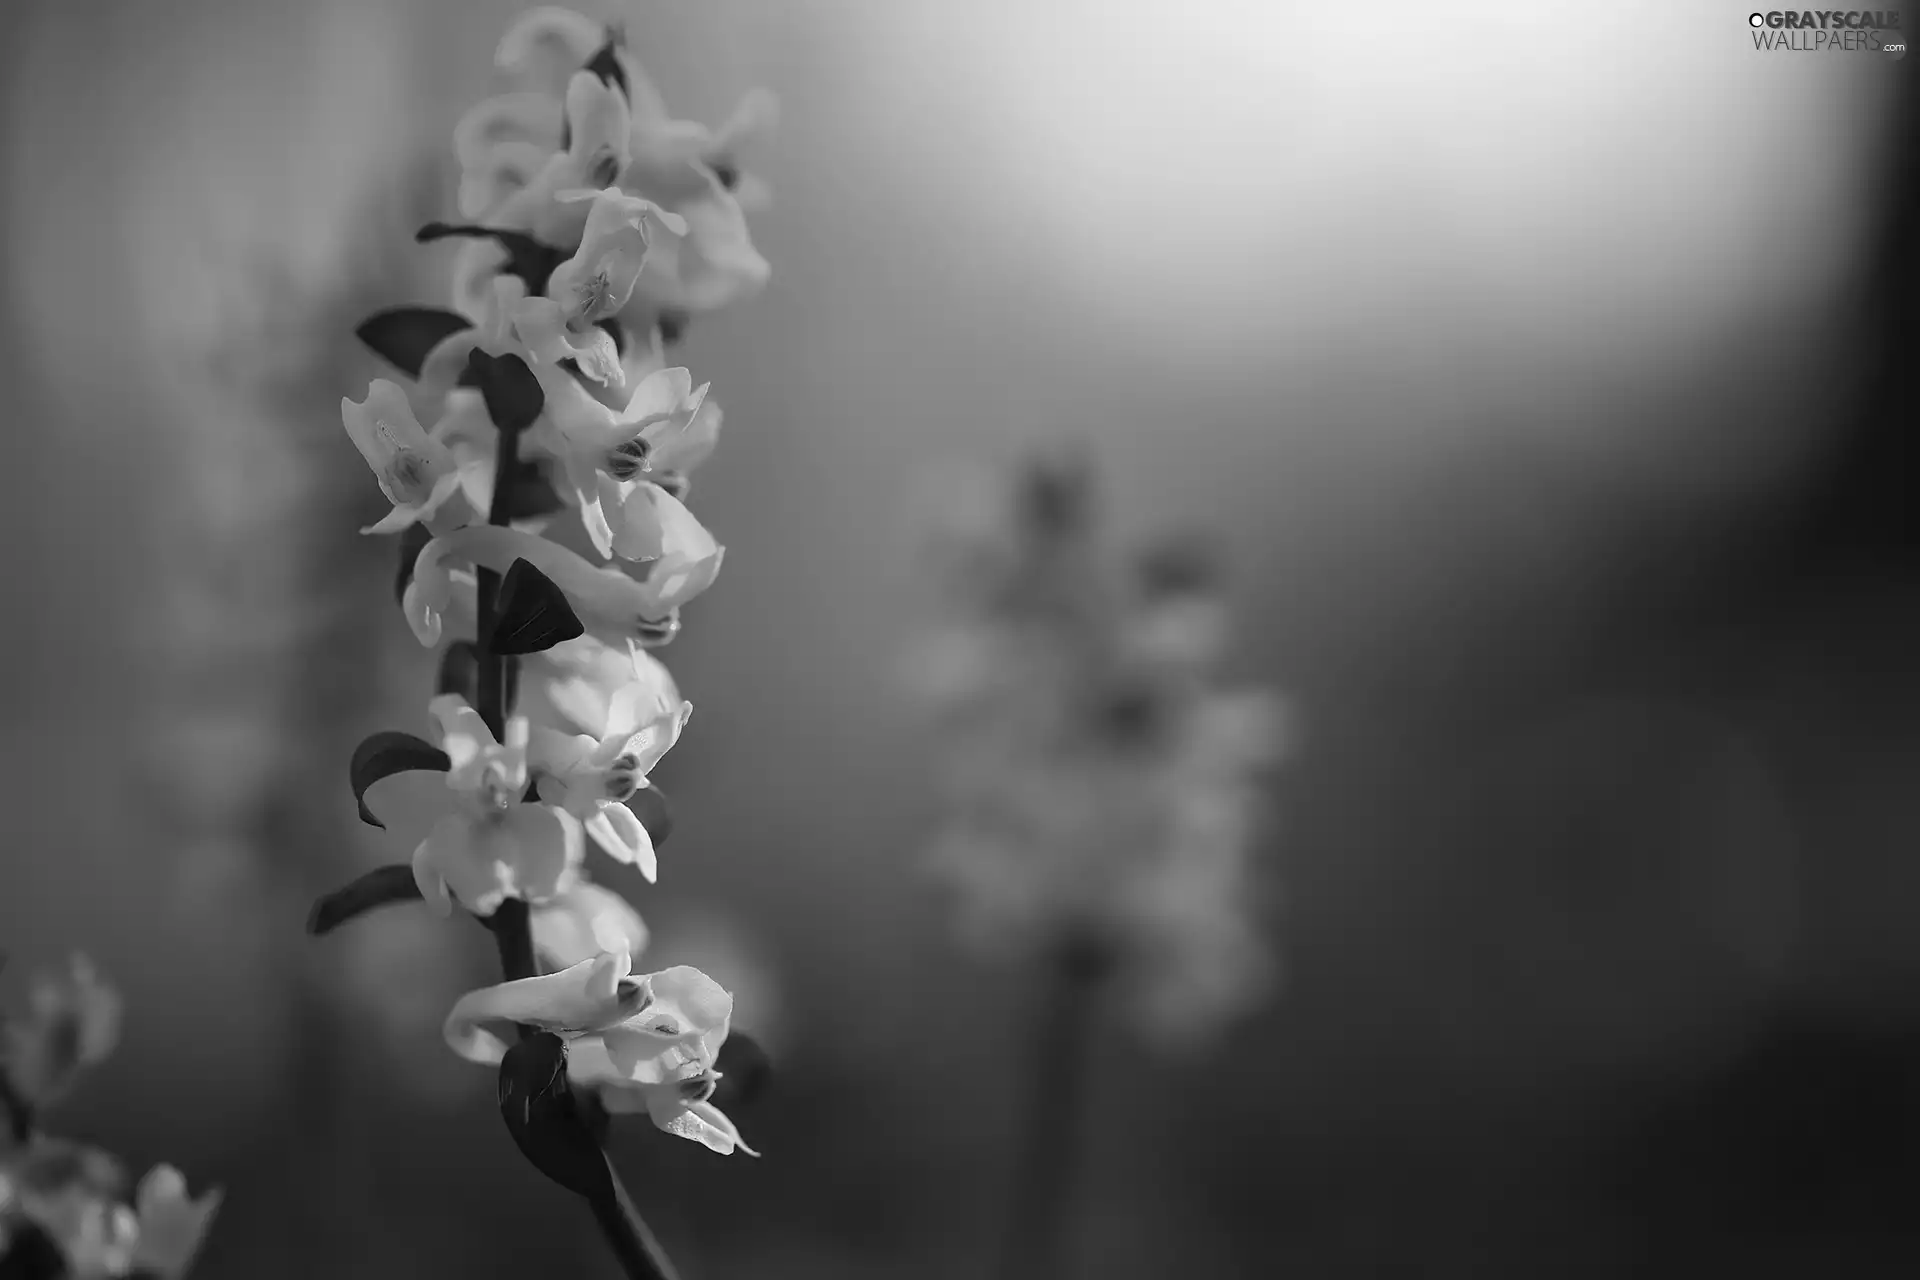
x=493, y=668
x=626, y=1232
x=18, y=1112
x=1048, y=1163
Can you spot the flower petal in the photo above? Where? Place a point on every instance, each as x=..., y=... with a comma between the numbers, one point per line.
x=172, y=1223
x=581, y=998
x=532, y=118
x=701, y=1122
x=426, y=867
x=619, y=831
x=683, y=1026
x=548, y=32
x=408, y=803
x=584, y=921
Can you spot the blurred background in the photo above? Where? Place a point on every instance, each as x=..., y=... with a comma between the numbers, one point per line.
x=1541, y=368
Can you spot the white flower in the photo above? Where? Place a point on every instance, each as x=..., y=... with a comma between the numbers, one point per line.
x=593, y=780
x=607, y=457
x=647, y=1044
x=72, y=1023
x=713, y=265
x=571, y=686
x=680, y=1106
x=416, y=471
x=594, y=995
x=478, y=841
x=583, y=921
x=593, y=285
x=547, y=44
x=596, y=151
x=609, y=603
x=687, y=168
x=172, y=1223
x=72, y=1193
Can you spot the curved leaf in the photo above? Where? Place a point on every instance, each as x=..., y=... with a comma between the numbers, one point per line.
x=608, y=68
x=746, y=1072
x=378, y=888
x=402, y=336
x=537, y=1102
x=384, y=754
x=532, y=613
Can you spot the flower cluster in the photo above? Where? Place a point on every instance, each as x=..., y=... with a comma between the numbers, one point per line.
x=65, y=1209
x=1102, y=790
x=546, y=547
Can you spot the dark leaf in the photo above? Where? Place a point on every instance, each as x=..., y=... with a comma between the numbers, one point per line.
x=1182, y=565
x=27, y=1252
x=532, y=614
x=530, y=493
x=1056, y=496
x=649, y=804
x=413, y=540
x=607, y=67
x=527, y=258
x=537, y=1102
x=402, y=336
x=380, y=887
x=460, y=671
x=384, y=754
x=746, y=1072
x=513, y=395
x=16, y=1111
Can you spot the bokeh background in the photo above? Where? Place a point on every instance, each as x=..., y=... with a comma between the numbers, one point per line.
x=1542, y=368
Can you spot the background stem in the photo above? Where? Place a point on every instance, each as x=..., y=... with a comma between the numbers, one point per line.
x=1047, y=1168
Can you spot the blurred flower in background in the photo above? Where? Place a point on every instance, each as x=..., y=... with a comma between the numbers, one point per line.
x=65, y=1208
x=1104, y=790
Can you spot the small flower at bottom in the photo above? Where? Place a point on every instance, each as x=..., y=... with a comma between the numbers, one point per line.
x=172, y=1223
x=647, y=1044
x=490, y=845
x=582, y=998
x=72, y=1023
x=679, y=1106
x=654, y=1038
x=72, y=1194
